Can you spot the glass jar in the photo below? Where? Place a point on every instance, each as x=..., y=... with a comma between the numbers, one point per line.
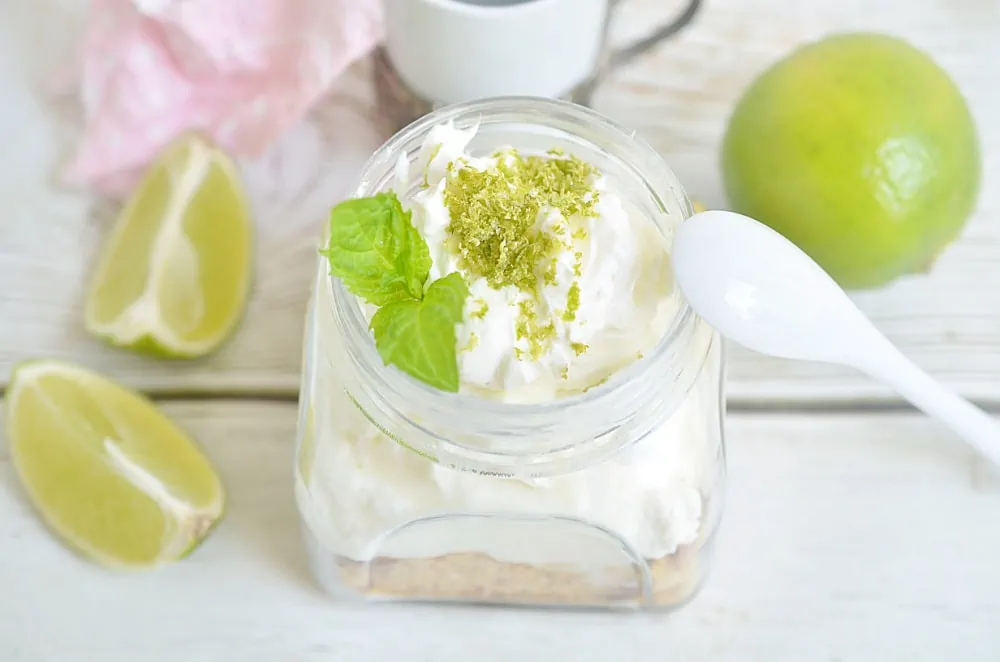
x=606, y=498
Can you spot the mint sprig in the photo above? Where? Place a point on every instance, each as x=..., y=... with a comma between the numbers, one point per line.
x=419, y=336
x=375, y=250
x=380, y=256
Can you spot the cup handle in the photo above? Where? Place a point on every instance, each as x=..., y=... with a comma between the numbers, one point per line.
x=620, y=56
x=623, y=55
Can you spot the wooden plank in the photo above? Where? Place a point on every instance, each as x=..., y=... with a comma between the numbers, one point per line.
x=846, y=537
x=678, y=98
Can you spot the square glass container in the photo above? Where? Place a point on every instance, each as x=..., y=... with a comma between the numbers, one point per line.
x=604, y=499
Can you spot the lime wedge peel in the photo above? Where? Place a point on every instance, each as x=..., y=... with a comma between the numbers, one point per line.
x=109, y=474
x=188, y=214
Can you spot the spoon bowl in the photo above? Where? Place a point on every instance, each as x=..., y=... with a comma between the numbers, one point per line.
x=760, y=290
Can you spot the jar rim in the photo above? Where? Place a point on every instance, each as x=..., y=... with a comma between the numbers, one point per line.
x=395, y=388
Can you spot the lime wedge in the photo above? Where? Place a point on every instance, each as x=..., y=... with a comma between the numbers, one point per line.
x=174, y=275
x=110, y=474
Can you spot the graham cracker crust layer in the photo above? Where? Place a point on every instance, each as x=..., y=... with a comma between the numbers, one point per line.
x=477, y=577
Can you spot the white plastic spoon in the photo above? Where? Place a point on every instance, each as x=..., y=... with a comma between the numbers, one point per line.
x=760, y=290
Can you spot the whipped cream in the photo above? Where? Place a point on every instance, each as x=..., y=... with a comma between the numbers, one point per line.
x=357, y=488
x=618, y=264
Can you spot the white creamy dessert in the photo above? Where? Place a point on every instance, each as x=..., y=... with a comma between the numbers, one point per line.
x=604, y=299
x=616, y=262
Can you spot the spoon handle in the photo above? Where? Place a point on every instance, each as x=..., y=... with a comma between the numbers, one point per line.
x=964, y=418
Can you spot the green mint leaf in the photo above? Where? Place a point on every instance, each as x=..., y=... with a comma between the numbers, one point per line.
x=418, y=337
x=375, y=250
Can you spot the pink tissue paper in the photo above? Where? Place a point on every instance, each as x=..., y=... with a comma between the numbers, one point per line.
x=241, y=72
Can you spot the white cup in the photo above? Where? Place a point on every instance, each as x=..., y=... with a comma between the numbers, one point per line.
x=449, y=51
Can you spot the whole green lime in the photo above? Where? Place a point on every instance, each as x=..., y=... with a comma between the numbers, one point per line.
x=860, y=150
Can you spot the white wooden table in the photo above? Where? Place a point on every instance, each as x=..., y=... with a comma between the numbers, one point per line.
x=856, y=529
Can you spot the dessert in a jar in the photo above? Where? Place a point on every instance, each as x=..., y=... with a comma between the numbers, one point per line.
x=505, y=398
